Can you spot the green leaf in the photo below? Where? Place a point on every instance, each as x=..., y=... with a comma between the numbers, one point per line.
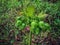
x=42, y=16
x=57, y=22
x=22, y=26
x=47, y=26
x=30, y=11
x=33, y=23
x=42, y=24
x=33, y=26
x=18, y=23
x=37, y=31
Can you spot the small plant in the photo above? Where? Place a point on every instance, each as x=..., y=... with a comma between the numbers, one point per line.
x=27, y=18
x=44, y=26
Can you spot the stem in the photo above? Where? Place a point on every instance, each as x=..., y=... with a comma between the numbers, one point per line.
x=24, y=39
x=30, y=38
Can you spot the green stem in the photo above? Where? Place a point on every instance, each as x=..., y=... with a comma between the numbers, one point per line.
x=30, y=38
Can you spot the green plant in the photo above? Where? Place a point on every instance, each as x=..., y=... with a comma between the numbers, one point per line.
x=20, y=23
x=32, y=21
x=29, y=11
x=44, y=26
x=33, y=26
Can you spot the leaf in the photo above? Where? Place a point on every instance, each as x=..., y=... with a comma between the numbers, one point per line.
x=44, y=26
x=18, y=23
x=33, y=23
x=30, y=11
x=19, y=13
x=22, y=26
x=47, y=26
x=37, y=31
x=57, y=22
x=42, y=16
x=12, y=41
